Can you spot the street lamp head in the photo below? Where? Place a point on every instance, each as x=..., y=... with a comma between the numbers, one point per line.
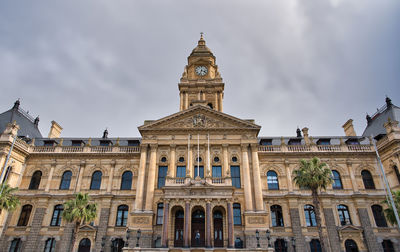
x=138, y=233
x=257, y=234
x=128, y=234
x=268, y=233
x=293, y=241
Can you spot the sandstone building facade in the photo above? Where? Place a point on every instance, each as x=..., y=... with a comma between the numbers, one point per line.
x=198, y=178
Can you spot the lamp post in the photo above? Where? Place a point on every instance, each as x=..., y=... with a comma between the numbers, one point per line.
x=294, y=243
x=258, y=238
x=103, y=243
x=128, y=235
x=138, y=233
x=269, y=238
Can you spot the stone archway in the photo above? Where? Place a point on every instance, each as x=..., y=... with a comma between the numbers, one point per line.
x=178, y=220
x=198, y=227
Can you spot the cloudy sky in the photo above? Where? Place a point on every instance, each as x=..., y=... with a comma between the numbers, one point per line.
x=94, y=64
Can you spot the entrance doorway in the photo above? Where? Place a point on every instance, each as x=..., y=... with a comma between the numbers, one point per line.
x=351, y=246
x=218, y=229
x=198, y=221
x=84, y=245
x=179, y=223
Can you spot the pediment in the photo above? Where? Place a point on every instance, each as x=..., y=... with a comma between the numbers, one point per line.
x=86, y=228
x=199, y=118
x=350, y=228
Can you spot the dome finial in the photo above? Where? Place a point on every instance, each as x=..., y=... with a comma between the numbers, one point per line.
x=202, y=41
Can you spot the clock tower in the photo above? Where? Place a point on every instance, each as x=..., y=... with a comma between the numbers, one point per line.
x=201, y=83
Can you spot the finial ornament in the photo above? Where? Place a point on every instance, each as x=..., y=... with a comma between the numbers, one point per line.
x=201, y=35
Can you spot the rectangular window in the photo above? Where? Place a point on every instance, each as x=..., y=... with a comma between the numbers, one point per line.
x=200, y=170
x=133, y=143
x=181, y=171
x=216, y=172
x=105, y=142
x=235, y=175
x=162, y=173
x=237, y=216
x=266, y=142
x=49, y=143
x=76, y=143
x=324, y=141
x=160, y=214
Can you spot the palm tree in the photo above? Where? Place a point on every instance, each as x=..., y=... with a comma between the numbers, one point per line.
x=8, y=200
x=389, y=212
x=314, y=175
x=79, y=211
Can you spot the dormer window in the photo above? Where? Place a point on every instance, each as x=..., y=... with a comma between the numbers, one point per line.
x=105, y=142
x=294, y=141
x=324, y=141
x=352, y=141
x=49, y=143
x=133, y=143
x=266, y=142
x=77, y=143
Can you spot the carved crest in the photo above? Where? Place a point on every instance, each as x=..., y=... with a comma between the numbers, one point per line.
x=199, y=120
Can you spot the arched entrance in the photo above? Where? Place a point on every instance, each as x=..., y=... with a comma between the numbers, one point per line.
x=84, y=245
x=218, y=229
x=351, y=246
x=198, y=223
x=179, y=225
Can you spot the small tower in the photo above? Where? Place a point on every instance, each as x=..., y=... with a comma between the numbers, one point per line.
x=201, y=83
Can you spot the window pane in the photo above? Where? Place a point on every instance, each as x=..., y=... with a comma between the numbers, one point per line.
x=66, y=180
x=162, y=173
x=126, y=181
x=201, y=170
x=216, y=171
x=235, y=175
x=272, y=180
x=237, y=216
x=181, y=171
x=96, y=181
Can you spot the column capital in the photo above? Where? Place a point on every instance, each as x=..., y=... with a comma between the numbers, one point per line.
x=254, y=146
x=244, y=147
x=144, y=145
x=172, y=145
x=153, y=146
x=225, y=145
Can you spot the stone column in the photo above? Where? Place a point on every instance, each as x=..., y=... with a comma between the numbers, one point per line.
x=190, y=163
x=186, y=100
x=208, y=224
x=216, y=102
x=220, y=101
x=172, y=162
x=226, y=160
x=231, y=240
x=180, y=101
x=332, y=230
x=288, y=177
x=80, y=176
x=296, y=229
x=352, y=177
x=186, y=231
x=258, y=196
x=246, y=179
x=206, y=163
x=369, y=235
x=165, y=224
x=103, y=224
x=111, y=176
x=151, y=177
x=50, y=177
x=140, y=182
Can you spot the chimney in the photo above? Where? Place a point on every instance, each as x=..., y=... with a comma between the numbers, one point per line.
x=349, y=128
x=391, y=126
x=36, y=122
x=11, y=129
x=388, y=102
x=55, y=130
x=305, y=134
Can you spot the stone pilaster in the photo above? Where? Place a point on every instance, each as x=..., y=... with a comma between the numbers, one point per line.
x=226, y=161
x=189, y=162
x=186, y=231
x=288, y=177
x=258, y=196
x=151, y=178
x=352, y=177
x=172, y=161
x=369, y=235
x=66, y=238
x=246, y=177
x=102, y=228
x=111, y=176
x=34, y=237
x=332, y=230
x=231, y=240
x=296, y=228
x=50, y=177
x=80, y=176
x=140, y=182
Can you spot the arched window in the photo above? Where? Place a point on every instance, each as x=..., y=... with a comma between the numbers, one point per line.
x=96, y=180
x=379, y=216
x=237, y=215
x=344, y=215
x=15, y=245
x=84, y=245
x=126, y=180
x=310, y=216
x=122, y=216
x=315, y=245
x=367, y=179
x=280, y=245
x=65, y=180
x=277, y=216
x=351, y=246
x=396, y=171
x=337, y=182
x=272, y=180
x=387, y=246
x=160, y=214
x=117, y=245
x=57, y=213
x=35, y=180
x=50, y=245
x=24, y=216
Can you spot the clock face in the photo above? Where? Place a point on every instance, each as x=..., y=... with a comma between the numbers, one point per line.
x=201, y=70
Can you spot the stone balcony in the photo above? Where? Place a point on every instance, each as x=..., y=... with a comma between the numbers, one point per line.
x=219, y=181
x=316, y=148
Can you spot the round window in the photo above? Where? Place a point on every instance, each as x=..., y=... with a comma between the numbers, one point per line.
x=216, y=159
x=181, y=159
x=234, y=159
x=163, y=159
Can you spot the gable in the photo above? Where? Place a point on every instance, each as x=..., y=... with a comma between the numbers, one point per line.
x=199, y=118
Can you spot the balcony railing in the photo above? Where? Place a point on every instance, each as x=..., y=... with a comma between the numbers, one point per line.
x=316, y=148
x=219, y=181
x=86, y=149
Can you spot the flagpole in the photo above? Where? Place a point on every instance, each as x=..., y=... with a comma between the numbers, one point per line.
x=208, y=148
x=396, y=214
x=188, y=168
x=198, y=154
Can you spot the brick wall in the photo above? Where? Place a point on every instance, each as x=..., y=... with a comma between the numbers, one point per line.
x=296, y=227
x=34, y=237
x=332, y=230
x=102, y=228
x=369, y=235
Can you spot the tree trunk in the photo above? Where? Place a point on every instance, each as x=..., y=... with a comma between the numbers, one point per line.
x=74, y=232
x=318, y=218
